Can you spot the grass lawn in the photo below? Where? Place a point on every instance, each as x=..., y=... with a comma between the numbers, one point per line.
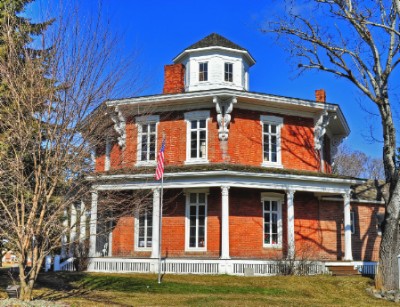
x=91, y=289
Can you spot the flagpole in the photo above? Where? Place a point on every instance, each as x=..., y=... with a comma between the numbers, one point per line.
x=160, y=175
x=160, y=229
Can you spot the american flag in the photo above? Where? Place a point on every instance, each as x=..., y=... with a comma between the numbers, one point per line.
x=160, y=162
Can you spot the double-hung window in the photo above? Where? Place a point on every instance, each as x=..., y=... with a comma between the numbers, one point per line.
x=196, y=220
x=144, y=229
x=271, y=140
x=147, y=138
x=203, y=71
x=228, y=72
x=272, y=220
x=196, y=148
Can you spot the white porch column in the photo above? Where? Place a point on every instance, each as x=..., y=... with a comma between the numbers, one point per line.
x=156, y=224
x=225, y=223
x=64, y=238
x=72, y=234
x=93, y=225
x=348, y=255
x=82, y=231
x=290, y=224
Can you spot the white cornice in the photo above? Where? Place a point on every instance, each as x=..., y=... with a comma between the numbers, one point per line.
x=161, y=99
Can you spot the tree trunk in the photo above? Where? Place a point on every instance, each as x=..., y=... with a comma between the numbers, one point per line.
x=26, y=292
x=387, y=277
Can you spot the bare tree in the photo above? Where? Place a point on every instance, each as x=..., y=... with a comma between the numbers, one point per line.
x=360, y=42
x=355, y=163
x=46, y=157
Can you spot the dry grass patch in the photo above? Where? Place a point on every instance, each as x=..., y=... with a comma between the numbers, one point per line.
x=94, y=289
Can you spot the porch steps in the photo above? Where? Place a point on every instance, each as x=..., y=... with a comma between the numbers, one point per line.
x=343, y=270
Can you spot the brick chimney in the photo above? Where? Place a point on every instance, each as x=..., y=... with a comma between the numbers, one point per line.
x=320, y=95
x=174, y=79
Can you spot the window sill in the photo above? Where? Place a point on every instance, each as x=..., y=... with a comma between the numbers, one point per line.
x=273, y=246
x=270, y=164
x=190, y=162
x=143, y=249
x=195, y=250
x=146, y=163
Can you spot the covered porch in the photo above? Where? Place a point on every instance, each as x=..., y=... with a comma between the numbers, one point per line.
x=228, y=255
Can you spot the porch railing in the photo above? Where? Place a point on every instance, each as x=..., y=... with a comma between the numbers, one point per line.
x=197, y=266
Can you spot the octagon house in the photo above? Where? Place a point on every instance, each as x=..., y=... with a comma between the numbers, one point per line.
x=248, y=177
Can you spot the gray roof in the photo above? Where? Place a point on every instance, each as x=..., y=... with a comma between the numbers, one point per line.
x=371, y=190
x=215, y=39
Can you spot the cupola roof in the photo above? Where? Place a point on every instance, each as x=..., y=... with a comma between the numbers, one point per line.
x=213, y=41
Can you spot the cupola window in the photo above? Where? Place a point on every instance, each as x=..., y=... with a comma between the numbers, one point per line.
x=229, y=72
x=203, y=71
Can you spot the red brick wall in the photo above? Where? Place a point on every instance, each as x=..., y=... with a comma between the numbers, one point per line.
x=123, y=237
x=173, y=243
x=366, y=240
x=318, y=228
x=100, y=157
x=244, y=144
x=130, y=154
x=246, y=226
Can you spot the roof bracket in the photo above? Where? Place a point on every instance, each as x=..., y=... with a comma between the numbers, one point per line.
x=320, y=129
x=224, y=109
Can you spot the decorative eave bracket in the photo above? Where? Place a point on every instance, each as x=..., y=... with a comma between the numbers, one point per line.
x=224, y=109
x=320, y=130
x=119, y=126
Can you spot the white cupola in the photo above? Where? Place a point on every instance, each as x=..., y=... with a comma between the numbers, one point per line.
x=215, y=62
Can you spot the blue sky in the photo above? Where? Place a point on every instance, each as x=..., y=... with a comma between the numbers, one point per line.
x=159, y=30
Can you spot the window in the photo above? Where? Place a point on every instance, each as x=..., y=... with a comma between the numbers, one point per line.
x=379, y=217
x=272, y=220
x=271, y=135
x=352, y=222
x=229, y=72
x=107, y=161
x=196, y=149
x=147, y=136
x=203, y=71
x=196, y=220
x=144, y=230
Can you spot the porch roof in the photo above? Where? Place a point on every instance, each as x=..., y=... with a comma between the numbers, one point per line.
x=216, y=175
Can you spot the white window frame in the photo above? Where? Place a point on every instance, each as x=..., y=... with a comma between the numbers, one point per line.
x=231, y=72
x=279, y=198
x=137, y=226
x=200, y=63
x=140, y=121
x=278, y=122
x=187, y=219
x=195, y=116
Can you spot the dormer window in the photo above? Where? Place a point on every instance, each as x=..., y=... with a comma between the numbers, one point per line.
x=228, y=72
x=203, y=71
